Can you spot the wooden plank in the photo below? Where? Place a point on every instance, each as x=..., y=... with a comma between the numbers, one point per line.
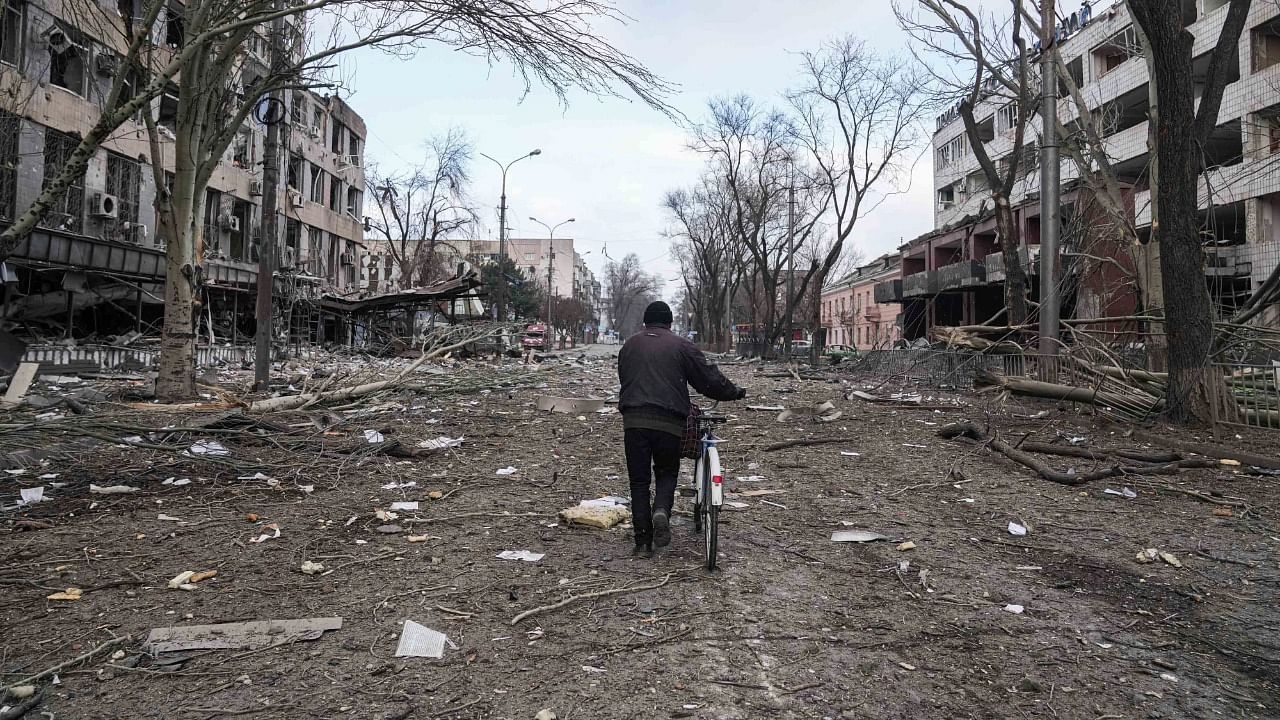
x=19, y=384
x=241, y=635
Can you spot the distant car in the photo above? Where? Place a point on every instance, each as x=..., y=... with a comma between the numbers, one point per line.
x=840, y=353
x=800, y=348
x=534, y=337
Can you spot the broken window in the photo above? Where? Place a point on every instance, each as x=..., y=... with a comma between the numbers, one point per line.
x=987, y=129
x=9, y=125
x=297, y=108
x=1266, y=45
x=175, y=26
x=952, y=151
x=317, y=184
x=11, y=31
x=349, y=264
x=316, y=252
x=317, y=122
x=168, y=116
x=335, y=143
x=67, y=59
x=353, y=147
x=242, y=156
x=124, y=177
x=354, y=202
x=212, y=211
x=946, y=197
x=238, y=231
x=335, y=194
x=293, y=172
x=1075, y=70
x=292, y=241
x=1116, y=50
x=1007, y=117
x=67, y=212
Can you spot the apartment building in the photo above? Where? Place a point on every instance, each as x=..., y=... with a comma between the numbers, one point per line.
x=96, y=265
x=954, y=274
x=849, y=312
x=536, y=257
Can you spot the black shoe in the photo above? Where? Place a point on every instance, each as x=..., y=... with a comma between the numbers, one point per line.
x=642, y=550
x=661, y=528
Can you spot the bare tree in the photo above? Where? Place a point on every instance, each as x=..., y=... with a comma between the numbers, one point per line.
x=859, y=119
x=712, y=263
x=1183, y=129
x=629, y=289
x=420, y=210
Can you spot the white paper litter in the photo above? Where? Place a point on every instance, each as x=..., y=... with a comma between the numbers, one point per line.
x=751, y=478
x=373, y=436
x=1017, y=529
x=111, y=489
x=736, y=504
x=49, y=476
x=525, y=555
x=405, y=505
x=1126, y=492
x=399, y=486
x=209, y=447
x=1015, y=609
x=177, y=482
x=16, y=471
x=592, y=669
x=609, y=501
x=31, y=496
x=441, y=443
x=168, y=518
x=508, y=470
x=846, y=453
x=858, y=536
x=267, y=535
x=421, y=641
x=255, y=476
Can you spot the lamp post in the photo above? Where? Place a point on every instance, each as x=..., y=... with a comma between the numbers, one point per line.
x=502, y=231
x=551, y=263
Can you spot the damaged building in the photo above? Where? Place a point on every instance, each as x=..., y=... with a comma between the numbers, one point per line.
x=95, y=266
x=954, y=274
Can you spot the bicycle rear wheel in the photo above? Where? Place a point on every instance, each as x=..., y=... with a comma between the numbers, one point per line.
x=710, y=525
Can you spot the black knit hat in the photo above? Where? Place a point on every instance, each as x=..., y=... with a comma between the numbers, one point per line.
x=658, y=313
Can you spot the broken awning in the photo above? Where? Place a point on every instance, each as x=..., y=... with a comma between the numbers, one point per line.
x=445, y=290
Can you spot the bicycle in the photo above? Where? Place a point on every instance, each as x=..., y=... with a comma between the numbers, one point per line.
x=708, y=489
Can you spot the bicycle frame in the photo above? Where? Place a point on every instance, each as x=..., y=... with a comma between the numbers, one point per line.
x=709, y=462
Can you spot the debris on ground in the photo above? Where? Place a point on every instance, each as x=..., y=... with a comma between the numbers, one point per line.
x=421, y=641
x=251, y=635
x=856, y=536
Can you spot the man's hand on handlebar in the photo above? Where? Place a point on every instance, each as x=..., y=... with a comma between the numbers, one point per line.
x=742, y=394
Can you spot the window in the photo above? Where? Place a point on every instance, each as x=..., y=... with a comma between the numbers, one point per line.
x=123, y=179
x=317, y=118
x=1117, y=50
x=242, y=155
x=168, y=116
x=317, y=184
x=355, y=204
x=175, y=26
x=1266, y=45
x=952, y=151
x=292, y=240
x=1007, y=117
x=293, y=172
x=9, y=125
x=11, y=31
x=946, y=198
x=349, y=267
x=336, y=138
x=67, y=212
x=1075, y=70
x=67, y=60
x=212, y=211
x=315, y=251
x=297, y=108
x=335, y=194
x=353, y=146
x=987, y=129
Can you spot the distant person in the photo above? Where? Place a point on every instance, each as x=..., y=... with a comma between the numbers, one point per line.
x=656, y=368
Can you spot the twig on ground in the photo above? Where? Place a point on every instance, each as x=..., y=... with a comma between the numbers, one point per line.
x=73, y=661
x=586, y=596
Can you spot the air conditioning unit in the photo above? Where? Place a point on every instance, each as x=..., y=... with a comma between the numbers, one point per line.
x=106, y=64
x=255, y=188
x=295, y=199
x=348, y=160
x=230, y=223
x=315, y=133
x=104, y=205
x=347, y=259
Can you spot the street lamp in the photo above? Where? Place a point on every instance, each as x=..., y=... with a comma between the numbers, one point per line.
x=502, y=231
x=551, y=262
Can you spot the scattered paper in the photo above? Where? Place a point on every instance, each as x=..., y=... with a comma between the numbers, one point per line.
x=168, y=518
x=1126, y=492
x=1017, y=528
x=1015, y=609
x=847, y=453
x=1147, y=555
x=68, y=595
x=906, y=666
x=399, y=486
x=405, y=505
x=525, y=555
x=421, y=641
x=441, y=443
x=111, y=489
x=311, y=568
x=509, y=470
x=908, y=545
x=384, y=515
x=31, y=496
x=275, y=533
x=255, y=476
x=177, y=482
x=209, y=447
x=737, y=505
x=857, y=536
x=592, y=669
x=373, y=436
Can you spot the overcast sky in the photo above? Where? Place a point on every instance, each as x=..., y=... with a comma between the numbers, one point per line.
x=608, y=162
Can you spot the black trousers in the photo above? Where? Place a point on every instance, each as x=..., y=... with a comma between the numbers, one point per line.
x=650, y=454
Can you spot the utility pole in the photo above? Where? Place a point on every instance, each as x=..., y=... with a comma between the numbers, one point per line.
x=270, y=207
x=551, y=262
x=501, y=300
x=1049, y=186
x=791, y=258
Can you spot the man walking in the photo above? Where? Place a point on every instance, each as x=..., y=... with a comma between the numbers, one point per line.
x=656, y=368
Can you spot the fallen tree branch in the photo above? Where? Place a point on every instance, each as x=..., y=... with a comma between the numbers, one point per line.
x=73, y=661
x=803, y=443
x=1210, y=451
x=586, y=596
x=1154, y=458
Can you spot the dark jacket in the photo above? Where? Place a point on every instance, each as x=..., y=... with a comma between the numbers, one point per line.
x=656, y=368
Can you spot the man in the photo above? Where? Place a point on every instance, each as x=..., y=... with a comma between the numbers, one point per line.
x=656, y=368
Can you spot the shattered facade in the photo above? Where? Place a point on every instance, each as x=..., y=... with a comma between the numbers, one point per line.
x=954, y=274
x=95, y=267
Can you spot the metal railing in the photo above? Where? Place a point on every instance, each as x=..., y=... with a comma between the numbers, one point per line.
x=1248, y=396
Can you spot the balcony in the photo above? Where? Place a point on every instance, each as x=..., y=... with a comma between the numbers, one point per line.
x=995, y=263
x=921, y=284
x=873, y=313
x=889, y=292
x=962, y=275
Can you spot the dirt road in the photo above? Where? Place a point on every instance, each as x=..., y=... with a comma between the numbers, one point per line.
x=792, y=626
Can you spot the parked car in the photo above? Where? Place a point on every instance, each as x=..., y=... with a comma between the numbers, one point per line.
x=800, y=348
x=534, y=337
x=840, y=353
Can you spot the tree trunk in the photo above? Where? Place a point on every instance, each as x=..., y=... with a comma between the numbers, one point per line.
x=1188, y=311
x=1015, y=276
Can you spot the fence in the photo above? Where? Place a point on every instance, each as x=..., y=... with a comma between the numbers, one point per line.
x=1252, y=396
x=102, y=358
